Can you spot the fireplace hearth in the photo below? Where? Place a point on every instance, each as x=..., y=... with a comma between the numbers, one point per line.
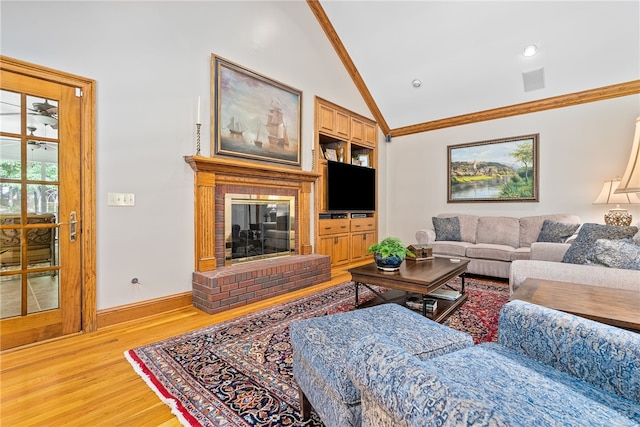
x=259, y=248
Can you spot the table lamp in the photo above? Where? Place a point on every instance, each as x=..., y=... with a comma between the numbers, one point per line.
x=608, y=196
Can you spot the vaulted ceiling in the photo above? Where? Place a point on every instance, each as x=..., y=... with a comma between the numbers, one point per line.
x=468, y=56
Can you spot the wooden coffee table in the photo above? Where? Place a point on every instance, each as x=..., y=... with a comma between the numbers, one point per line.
x=616, y=307
x=421, y=277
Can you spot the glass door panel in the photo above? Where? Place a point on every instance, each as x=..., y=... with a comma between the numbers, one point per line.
x=29, y=188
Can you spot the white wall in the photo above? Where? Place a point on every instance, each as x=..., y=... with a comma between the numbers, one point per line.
x=580, y=147
x=151, y=61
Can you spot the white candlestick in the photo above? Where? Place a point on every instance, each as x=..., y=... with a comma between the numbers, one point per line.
x=198, y=121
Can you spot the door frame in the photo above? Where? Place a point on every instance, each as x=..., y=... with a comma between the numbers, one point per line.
x=87, y=179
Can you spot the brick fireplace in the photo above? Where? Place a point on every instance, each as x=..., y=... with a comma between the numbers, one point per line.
x=218, y=287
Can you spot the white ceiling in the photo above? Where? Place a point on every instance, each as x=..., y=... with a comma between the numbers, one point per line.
x=468, y=54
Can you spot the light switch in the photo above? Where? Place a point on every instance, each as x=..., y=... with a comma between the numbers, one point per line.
x=121, y=199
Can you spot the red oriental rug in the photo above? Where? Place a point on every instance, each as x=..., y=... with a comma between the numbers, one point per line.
x=238, y=373
x=478, y=316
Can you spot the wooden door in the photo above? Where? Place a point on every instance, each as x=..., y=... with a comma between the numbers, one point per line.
x=40, y=209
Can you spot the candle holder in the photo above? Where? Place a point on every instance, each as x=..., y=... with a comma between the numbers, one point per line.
x=198, y=138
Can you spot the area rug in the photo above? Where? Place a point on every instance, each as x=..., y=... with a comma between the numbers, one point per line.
x=478, y=316
x=239, y=372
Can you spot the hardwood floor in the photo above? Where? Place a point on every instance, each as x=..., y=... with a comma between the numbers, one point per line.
x=84, y=380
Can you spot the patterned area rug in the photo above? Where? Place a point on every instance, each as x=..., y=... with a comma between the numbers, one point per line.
x=238, y=373
x=478, y=316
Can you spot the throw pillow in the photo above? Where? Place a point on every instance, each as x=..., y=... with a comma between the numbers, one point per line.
x=556, y=232
x=447, y=228
x=587, y=236
x=622, y=253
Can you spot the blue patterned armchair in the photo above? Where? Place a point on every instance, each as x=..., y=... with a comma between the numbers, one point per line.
x=548, y=369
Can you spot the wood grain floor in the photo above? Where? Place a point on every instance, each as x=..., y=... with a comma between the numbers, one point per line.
x=84, y=380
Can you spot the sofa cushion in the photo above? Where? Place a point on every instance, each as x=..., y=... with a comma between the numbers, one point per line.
x=521, y=254
x=622, y=253
x=587, y=236
x=456, y=249
x=490, y=251
x=530, y=226
x=556, y=232
x=447, y=228
x=498, y=231
x=468, y=225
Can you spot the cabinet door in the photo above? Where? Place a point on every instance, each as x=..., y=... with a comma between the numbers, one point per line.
x=337, y=247
x=333, y=122
x=326, y=119
x=370, y=135
x=342, y=125
x=360, y=242
x=357, y=130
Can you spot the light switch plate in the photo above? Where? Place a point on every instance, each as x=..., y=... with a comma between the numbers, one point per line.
x=121, y=199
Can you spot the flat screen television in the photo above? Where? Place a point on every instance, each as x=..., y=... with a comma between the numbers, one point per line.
x=350, y=187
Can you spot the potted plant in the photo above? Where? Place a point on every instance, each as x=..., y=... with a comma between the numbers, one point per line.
x=389, y=253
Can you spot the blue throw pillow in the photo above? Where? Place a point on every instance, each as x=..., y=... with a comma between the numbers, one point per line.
x=622, y=253
x=556, y=232
x=447, y=228
x=587, y=236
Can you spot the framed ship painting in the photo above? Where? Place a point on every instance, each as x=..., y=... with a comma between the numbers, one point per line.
x=255, y=117
x=500, y=170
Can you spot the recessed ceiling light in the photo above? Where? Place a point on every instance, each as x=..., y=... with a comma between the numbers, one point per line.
x=416, y=83
x=530, y=50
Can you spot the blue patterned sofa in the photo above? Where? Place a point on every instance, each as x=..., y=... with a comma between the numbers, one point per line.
x=548, y=369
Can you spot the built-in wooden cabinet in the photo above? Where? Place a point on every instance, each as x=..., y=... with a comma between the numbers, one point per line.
x=345, y=236
x=333, y=240
x=333, y=122
x=363, y=235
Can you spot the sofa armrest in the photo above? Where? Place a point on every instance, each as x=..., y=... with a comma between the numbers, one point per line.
x=425, y=236
x=544, y=251
x=404, y=390
x=602, y=355
x=593, y=275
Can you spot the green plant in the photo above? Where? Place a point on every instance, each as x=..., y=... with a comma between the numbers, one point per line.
x=391, y=246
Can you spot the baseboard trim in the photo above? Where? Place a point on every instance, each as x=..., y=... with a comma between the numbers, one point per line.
x=126, y=313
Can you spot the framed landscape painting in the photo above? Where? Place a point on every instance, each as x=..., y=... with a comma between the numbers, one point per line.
x=500, y=170
x=255, y=117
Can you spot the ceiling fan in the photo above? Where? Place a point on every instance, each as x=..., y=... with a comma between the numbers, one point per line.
x=36, y=145
x=42, y=112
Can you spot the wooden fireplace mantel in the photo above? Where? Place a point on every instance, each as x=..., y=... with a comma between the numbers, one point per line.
x=210, y=171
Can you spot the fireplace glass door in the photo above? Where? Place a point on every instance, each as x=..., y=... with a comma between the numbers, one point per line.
x=258, y=227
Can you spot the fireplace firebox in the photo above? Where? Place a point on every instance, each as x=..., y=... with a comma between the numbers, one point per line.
x=258, y=227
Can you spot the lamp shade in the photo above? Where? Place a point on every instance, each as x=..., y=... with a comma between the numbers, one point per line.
x=630, y=182
x=609, y=196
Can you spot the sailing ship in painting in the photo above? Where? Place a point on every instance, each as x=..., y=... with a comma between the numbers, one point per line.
x=236, y=127
x=276, y=127
x=270, y=137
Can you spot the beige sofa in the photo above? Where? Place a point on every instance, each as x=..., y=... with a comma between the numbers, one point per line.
x=546, y=263
x=491, y=243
